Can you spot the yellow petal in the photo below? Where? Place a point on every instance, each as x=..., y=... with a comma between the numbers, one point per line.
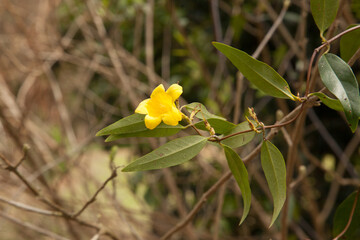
x=175, y=90
x=172, y=117
x=152, y=122
x=142, y=108
x=159, y=89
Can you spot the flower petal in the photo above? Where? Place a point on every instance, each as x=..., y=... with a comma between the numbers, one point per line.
x=142, y=108
x=152, y=122
x=157, y=90
x=175, y=90
x=172, y=117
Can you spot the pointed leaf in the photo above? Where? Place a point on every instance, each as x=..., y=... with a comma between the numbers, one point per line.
x=342, y=215
x=241, y=139
x=324, y=13
x=203, y=113
x=330, y=102
x=170, y=154
x=273, y=165
x=260, y=74
x=220, y=126
x=134, y=126
x=240, y=173
x=349, y=43
x=338, y=77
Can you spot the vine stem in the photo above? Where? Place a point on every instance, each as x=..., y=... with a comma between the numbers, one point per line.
x=317, y=50
x=261, y=127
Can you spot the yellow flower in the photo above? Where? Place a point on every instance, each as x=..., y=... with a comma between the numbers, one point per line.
x=161, y=106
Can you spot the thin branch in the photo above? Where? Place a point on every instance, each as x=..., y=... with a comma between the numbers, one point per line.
x=63, y=212
x=93, y=198
x=30, y=208
x=35, y=228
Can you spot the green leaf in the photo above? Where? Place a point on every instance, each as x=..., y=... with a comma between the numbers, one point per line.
x=240, y=139
x=220, y=126
x=349, y=43
x=273, y=165
x=342, y=215
x=338, y=77
x=134, y=126
x=170, y=154
x=260, y=74
x=324, y=13
x=240, y=173
x=330, y=102
x=203, y=113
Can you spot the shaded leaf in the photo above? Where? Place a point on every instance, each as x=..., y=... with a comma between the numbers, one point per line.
x=134, y=126
x=349, y=44
x=240, y=173
x=240, y=139
x=260, y=74
x=338, y=77
x=170, y=154
x=273, y=165
x=324, y=13
x=220, y=126
x=342, y=215
x=330, y=102
x=203, y=113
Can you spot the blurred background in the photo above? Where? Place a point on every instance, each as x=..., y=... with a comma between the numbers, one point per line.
x=70, y=67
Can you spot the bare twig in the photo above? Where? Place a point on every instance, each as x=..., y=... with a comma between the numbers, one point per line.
x=33, y=227
x=30, y=208
x=93, y=198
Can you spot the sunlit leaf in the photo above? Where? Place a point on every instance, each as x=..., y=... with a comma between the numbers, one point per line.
x=342, y=216
x=170, y=154
x=273, y=165
x=324, y=13
x=134, y=126
x=240, y=139
x=260, y=74
x=338, y=77
x=330, y=102
x=240, y=173
x=349, y=44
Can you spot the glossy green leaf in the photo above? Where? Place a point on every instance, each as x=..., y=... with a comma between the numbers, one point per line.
x=260, y=74
x=240, y=173
x=324, y=13
x=342, y=215
x=203, y=113
x=338, y=77
x=330, y=102
x=349, y=44
x=170, y=154
x=220, y=126
x=273, y=165
x=240, y=139
x=134, y=126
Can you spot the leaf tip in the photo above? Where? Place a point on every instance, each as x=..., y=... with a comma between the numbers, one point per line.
x=126, y=169
x=99, y=133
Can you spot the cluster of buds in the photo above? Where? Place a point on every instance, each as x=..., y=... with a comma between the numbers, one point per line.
x=258, y=123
